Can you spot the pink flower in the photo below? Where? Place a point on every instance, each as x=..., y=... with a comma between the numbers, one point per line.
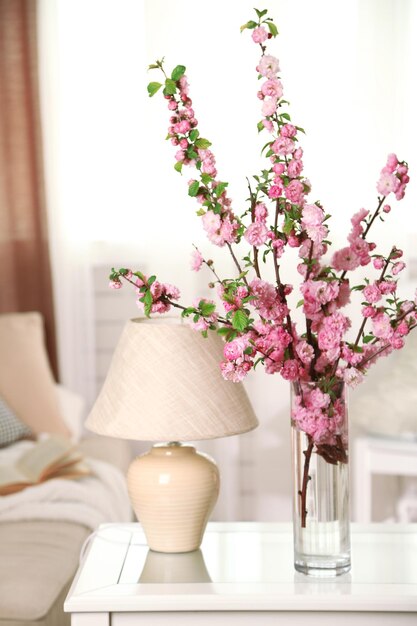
x=290, y=370
x=268, y=125
x=381, y=326
x=359, y=217
x=372, y=293
x=343, y=297
x=259, y=35
x=345, y=259
x=312, y=215
x=234, y=349
x=392, y=162
x=294, y=192
x=268, y=66
x=305, y=352
x=295, y=167
x=278, y=168
x=397, y=268
x=369, y=311
x=256, y=234
x=378, y=263
x=318, y=400
x=261, y=212
x=269, y=107
x=115, y=284
x=171, y=291
x=196, y=260
x=328, y=339
x=387, y=183
x=235, y=372
x=288, y=130
x=211, y=222
x=387, y=286
x=272, y=88
x=283, y=146
x=183, y=127
x=275, y=191
x=352, y=377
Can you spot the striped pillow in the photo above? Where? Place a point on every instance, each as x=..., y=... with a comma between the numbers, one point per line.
x=11, y=428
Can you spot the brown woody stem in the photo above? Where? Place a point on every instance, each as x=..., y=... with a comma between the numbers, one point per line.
x=303, y=493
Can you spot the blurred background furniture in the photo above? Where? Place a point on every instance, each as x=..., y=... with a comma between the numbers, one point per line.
x=388, y=456
x=43, y=527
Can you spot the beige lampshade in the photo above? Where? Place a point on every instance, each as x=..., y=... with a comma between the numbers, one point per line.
x=165, y=384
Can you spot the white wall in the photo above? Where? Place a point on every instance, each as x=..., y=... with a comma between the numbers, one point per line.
x=347, y=67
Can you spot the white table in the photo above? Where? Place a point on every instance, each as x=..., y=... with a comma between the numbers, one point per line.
x=243, y=575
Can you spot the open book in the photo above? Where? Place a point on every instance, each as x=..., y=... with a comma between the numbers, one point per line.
x=54, y=457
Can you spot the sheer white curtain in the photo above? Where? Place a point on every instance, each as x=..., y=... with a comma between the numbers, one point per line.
x=348, y=69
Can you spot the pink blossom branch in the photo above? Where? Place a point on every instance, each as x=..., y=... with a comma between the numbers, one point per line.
x=254, y=248
x=387, y=345
x=365, y=319
x=236, y=262
x=375, y=215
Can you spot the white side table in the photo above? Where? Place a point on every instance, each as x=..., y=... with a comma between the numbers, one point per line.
x=379, y=455
x=243, y=575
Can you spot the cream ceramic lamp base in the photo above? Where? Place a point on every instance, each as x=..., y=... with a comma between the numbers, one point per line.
x=173, y=489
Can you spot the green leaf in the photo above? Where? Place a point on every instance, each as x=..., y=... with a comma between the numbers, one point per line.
x=147, y=300
x=273, y=29
x=300, y=303
x=288, y=225
x=261, y=13
x=151, y=280
x=228, y=333
x=203, y=143
x=251, y=24
x=260, y=126
x=220, y=188
x=206, y=308
x=191, y=154
x=286, y=116
x=367, y=338
x=153, y=88
x=194, y=133
x=240, y=320
x=206, y=178
x=177, y=72
x=178, y=166
x=140, y=275
x=188, y=311
x=193, y=188
x=200, y=212
x=170, y=87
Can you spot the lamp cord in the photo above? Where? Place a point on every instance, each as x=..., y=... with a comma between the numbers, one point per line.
x=98, y=533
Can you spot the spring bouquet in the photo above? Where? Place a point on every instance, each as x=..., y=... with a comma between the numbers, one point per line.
x=255, y=315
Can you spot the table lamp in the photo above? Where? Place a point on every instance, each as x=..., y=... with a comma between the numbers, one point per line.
x=164, y=385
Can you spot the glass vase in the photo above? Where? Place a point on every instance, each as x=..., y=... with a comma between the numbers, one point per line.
x=319, y=425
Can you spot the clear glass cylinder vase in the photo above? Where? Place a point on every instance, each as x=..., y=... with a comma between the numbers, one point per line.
x=319, y=425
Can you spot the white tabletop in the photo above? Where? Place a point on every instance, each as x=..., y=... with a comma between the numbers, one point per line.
x=244, y=566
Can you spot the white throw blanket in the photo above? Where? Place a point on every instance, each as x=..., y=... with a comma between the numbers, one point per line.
x=91, y=500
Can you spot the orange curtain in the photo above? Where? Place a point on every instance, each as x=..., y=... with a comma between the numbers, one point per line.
x=25, y=274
